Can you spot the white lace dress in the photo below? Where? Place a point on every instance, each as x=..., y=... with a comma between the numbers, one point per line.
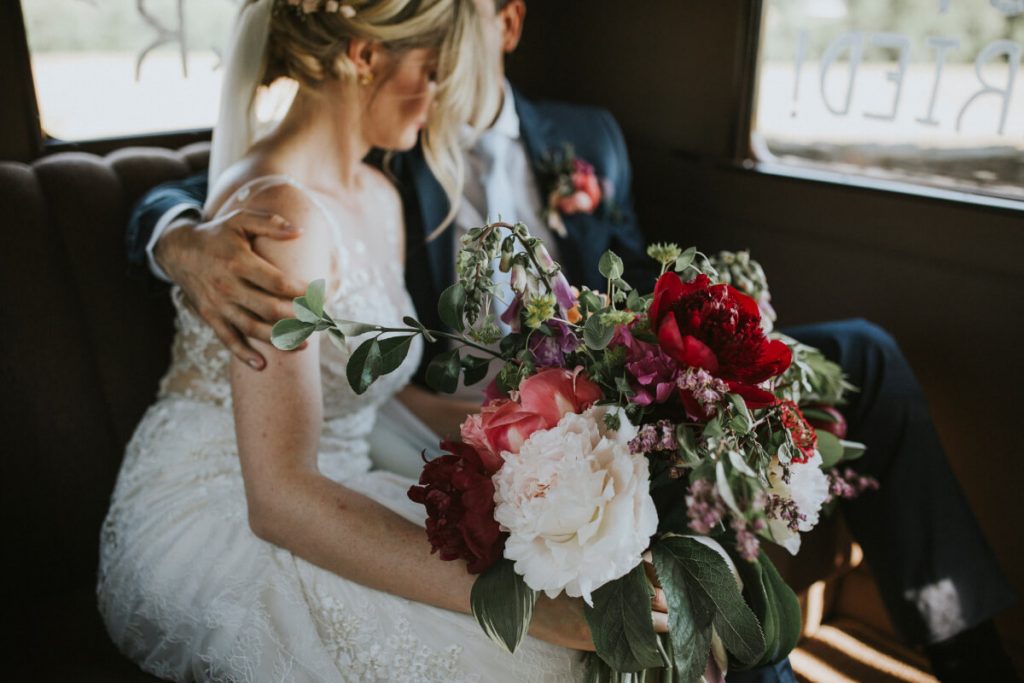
x=189, y=592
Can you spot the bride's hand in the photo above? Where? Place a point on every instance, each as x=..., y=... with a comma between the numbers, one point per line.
x=233, y=289
x=562, y=621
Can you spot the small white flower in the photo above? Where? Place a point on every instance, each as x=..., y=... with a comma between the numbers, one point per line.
x=807, y=488
x=576, y=504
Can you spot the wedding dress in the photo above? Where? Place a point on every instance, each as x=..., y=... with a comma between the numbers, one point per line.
x=189, y=592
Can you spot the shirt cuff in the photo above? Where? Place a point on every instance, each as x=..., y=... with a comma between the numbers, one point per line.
x=160, y=230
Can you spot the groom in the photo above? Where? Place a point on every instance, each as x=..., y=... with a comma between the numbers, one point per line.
x=938, y=576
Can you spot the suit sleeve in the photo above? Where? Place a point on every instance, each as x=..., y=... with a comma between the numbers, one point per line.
x=629, y=242
x=148, y=211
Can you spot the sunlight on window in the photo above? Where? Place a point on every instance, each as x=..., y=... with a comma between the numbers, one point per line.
x=106, y=68
x=928, y=91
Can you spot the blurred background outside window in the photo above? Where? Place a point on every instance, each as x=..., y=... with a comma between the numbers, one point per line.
x=926, y=91
x=112, y=68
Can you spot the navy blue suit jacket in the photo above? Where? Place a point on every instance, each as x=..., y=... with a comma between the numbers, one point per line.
x=545, y=127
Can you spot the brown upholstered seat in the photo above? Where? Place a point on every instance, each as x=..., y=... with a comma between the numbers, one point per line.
x=80, y=356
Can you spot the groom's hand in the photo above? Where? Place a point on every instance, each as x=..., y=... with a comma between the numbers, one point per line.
x=237, y=293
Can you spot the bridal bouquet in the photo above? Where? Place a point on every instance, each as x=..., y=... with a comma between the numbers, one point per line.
x=672, y=426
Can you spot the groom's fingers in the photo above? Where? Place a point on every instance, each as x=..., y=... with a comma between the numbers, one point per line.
x=658, y=602
x=263, y=224
x=270, y=279
x=231, y=338
x=248, y=325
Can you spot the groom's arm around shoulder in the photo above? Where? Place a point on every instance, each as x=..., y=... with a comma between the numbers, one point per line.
x=155, y=209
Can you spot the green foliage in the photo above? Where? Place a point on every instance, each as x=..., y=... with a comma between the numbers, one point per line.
x=474, y=369
x=709, y=588
x=290, y=333
x=597, y=333
x=443, y=372
x=610, y=265
x=775, y=605
x=620, y=622
x=364, y=366
x=503, y=604
x=830, y=447
x=452, y=305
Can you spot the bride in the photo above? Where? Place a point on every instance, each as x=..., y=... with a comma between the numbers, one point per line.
x=247, y=538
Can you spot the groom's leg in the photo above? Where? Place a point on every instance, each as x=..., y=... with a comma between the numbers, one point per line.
x=935, y=571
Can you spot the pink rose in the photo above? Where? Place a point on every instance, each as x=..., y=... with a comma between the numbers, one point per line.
x=542, y=400
x=553, y=392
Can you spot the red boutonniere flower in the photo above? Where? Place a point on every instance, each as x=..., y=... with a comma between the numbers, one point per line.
x=573, y=187
x=717, y=329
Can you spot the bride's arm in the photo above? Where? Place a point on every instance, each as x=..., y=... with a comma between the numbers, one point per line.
x=442, y=414
x=278, y=418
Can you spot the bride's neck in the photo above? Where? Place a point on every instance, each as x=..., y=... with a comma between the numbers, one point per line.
x=320, y=138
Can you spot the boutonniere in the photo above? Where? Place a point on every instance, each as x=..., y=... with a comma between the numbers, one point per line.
x=571, y=186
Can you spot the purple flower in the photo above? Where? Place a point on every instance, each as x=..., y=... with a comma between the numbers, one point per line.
x=550, y=351
x=704, y=507
x=653, y=373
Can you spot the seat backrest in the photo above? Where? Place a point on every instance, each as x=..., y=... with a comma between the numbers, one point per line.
x=81, y=352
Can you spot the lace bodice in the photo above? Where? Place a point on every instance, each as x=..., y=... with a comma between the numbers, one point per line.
x=365, y=284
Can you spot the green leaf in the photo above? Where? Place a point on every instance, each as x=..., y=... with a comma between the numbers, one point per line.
x=503, y=604
x=741, y=421
x=713, y=428
x=688, y=445
x=474, y=369
x=364, y=366
x=338, y=339
x=393, y=351
x=830, y=448
x=620, y=622
x=289, y=333
x=443, y=372
x=635, y=302
x=852, y=449
x=353, y=329
x=303, y=312
x=590, y=302
x=452, y=305
x=315, y=296
x=684, y=260
x=764, y=607
x=790, y=618
x=610, y=265
x=689, y=616
x=706, y=571
x=413, y=322
x=597, y=333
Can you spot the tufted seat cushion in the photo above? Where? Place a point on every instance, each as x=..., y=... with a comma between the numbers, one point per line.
x=81, y=352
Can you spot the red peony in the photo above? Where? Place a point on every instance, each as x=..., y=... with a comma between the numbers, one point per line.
x=459, y=496
x=718, y=329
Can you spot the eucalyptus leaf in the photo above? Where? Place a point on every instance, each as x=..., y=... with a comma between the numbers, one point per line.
x=610, y=265
x=830, y=447
x=739, y=463
x=393, y=351
x=503, y=604
x=688, y=445
x=353, y=329
x=741, y=421
x=451, y=307
x=724, y=489
x=413, y=322
x=315, y=297
x=597, y=334
x=474, y=369
x=364, y=366
x=635, y=302
x=852, y=449
x=303, y=312
x=620, y=623
x=338, y=339
x=290, y=333
x=684, y=260
x=713, y=428
x=443, y=372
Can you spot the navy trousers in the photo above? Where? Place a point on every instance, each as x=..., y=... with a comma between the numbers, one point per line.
x=936, y=573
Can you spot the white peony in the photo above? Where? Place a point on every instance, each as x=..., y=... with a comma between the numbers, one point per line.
x=807, y=488
x=576, y=504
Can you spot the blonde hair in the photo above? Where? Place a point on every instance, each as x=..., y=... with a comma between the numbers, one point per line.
x=312, y=48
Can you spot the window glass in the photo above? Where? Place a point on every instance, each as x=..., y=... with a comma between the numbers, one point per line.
x=106, y=68
x=928, y=91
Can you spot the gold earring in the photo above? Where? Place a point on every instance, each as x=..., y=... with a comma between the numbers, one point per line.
x=366, y=78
